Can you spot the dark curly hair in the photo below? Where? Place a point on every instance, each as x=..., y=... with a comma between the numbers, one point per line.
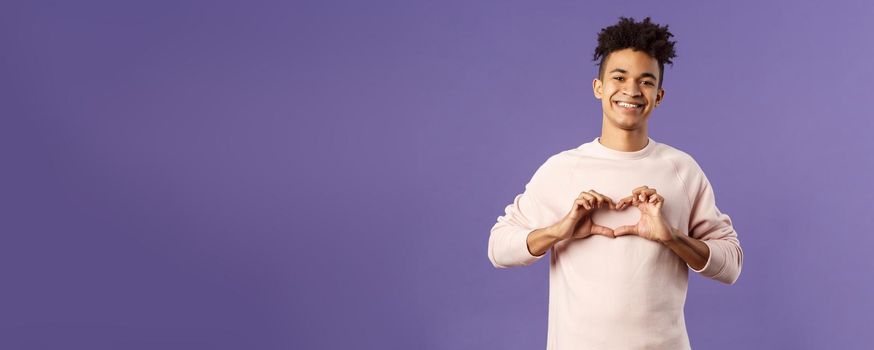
x=642, y=36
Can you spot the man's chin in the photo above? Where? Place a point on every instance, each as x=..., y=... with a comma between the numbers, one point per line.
x=629, y=122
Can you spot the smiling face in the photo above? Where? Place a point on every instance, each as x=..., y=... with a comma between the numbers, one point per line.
x=630, y=89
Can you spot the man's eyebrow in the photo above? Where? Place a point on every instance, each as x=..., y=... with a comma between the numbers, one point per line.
x=645, y=74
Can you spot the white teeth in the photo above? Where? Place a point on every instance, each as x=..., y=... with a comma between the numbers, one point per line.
x=627, y=105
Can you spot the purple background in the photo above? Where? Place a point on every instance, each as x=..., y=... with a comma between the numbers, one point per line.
x=324, y=175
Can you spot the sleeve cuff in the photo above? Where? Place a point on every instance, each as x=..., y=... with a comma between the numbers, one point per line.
x=715, y=262
x=522, y=247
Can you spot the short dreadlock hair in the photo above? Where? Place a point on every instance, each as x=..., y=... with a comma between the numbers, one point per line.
x=642, y=36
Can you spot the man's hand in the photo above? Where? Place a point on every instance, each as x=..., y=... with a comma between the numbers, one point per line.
x=652, y=225
x=578, y=224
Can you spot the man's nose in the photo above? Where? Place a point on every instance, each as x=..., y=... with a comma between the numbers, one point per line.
x=632, y=91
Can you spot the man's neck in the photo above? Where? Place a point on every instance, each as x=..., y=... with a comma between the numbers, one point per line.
x=624, y=140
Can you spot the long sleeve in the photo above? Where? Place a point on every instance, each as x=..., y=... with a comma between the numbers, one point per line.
x=714, y=228
x=508, y=240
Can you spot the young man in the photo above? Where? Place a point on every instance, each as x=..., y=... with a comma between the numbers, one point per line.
x=619, y=269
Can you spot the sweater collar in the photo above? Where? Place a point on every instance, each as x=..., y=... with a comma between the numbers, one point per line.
x=603, y=151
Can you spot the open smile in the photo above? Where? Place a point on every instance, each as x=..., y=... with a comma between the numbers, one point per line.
x=628, y=106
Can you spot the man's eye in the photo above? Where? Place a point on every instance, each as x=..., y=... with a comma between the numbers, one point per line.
x=649, y=83
x=618, y=78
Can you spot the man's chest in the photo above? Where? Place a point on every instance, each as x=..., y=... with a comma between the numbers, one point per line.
x=617, y=181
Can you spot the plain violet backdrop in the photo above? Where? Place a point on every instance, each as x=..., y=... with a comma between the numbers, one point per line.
x=324, y=174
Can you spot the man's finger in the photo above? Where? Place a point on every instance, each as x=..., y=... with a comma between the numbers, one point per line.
x=636, y=190
x=610, y=203
x=625, y=230
x=586, y=195
x=649, y=193
x=659, y=202
x=641, y=194
x=599, y=198
x=601, y=230
x=623, y=203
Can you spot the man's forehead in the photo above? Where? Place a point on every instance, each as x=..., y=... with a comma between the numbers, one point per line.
x=625, y=71
x=631, y=61
x=638, y=69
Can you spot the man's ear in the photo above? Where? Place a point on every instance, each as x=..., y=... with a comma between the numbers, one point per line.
x=597, y=88
x=660, y=96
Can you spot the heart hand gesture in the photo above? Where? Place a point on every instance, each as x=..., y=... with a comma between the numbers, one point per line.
x=652, y=225
x=578, y=224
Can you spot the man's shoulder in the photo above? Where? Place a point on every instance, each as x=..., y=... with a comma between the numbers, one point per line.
x=687, y=168
x=556, y=165
x=555, y=161
x=570, y=155
x=681, y=158
x=671, y=151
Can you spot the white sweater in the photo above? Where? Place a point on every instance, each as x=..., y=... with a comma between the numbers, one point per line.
x=625, y=292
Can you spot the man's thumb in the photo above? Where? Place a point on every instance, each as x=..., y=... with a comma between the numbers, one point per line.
x=625, y=230
x=601, y=230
